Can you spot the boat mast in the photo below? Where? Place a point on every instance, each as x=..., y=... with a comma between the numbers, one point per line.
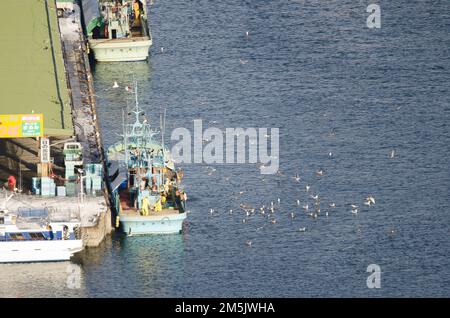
x=125, y=143
x=136, y=101
x=163, y=128
x=137, y=141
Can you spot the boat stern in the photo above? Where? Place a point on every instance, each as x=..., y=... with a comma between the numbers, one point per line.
x=153, y=224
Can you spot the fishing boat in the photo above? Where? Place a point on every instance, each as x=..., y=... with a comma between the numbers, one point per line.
x=146, y=188
x=31, y=239
x=117, y=30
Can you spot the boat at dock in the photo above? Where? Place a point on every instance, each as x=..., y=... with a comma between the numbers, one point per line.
x=117, y=31
x=146, y=188
x=31, y=237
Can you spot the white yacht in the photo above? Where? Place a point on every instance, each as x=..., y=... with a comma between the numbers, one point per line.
x=25, y=239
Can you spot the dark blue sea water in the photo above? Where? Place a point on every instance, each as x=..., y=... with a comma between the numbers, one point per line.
x=330, y=84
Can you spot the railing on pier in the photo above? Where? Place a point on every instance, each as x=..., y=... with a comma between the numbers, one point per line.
x=52, y=214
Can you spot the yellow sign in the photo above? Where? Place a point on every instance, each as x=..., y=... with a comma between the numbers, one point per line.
x=21, y=125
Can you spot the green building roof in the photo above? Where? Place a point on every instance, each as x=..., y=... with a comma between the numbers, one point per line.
x=32, y=75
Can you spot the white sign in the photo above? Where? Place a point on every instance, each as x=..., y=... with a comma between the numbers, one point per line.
x=45, y=150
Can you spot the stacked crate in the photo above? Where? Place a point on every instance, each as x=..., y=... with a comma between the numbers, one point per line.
x=70, y=172
x=36, y=185
x=71, y=189
x=61, y=191
x=48, y=187
x=94, y=177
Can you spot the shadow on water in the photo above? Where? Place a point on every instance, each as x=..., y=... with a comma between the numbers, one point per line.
x=47, y=279
x=136, y=266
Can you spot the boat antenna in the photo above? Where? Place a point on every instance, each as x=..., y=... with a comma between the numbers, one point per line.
x=163, y=128
x=125, y=136
x=136, y=100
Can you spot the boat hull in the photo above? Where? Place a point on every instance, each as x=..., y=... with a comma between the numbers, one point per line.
x=120, y=50
x=153, y=224
x=39, y=251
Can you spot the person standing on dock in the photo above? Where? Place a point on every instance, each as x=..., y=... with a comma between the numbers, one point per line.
x=12, y=183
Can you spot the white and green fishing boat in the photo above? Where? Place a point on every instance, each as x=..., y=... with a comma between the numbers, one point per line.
x=117, y=30
x=145, y=187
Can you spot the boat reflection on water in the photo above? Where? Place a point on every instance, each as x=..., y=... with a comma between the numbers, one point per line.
x=48, y=279
x=143, y=265
x=110, y=99
x=106, y=73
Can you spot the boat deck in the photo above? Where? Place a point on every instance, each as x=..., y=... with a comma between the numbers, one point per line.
x=164, y=212
x=129, y=210
x=120, y=40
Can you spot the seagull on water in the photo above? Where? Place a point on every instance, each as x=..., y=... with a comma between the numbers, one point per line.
x=306, y=207
x=319, y=173
x=292, y=215
x=297, y=178
x=307, y=188
x=115, y=85
x=392, y=155
x=315, y=197
x=355, y=211
x=298, y=202
x=332, y=205
x=248, y=243
x=354, y=206
x=302, y=229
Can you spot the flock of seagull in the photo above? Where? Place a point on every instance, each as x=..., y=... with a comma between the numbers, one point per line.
x=269, y=210
x=311, y=206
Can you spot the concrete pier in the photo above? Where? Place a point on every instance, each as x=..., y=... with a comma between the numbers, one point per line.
x=84, y=115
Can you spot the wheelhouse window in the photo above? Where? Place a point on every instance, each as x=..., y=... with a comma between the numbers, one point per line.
x=37, y=236
x=17, y=236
